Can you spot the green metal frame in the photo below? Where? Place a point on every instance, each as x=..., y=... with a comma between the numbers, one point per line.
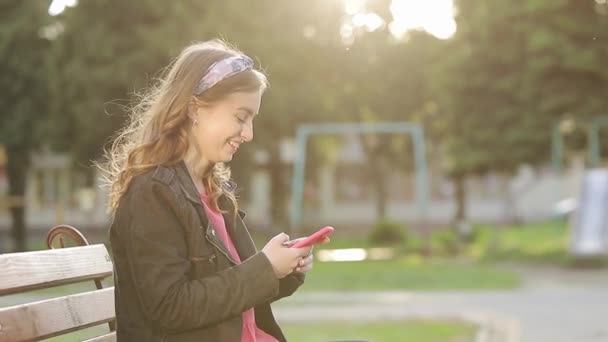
x=304, y=131
x=593, y=140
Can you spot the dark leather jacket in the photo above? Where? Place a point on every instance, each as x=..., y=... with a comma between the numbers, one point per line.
x=174, y=278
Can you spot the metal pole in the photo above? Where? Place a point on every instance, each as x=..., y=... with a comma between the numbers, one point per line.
x=557, y=147
x=422, y=187
x=593, y=138
x=297, y=186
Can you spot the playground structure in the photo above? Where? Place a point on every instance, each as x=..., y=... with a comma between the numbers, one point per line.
x=305, y=131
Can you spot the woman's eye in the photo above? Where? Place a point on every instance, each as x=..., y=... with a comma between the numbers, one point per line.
x=240, y=119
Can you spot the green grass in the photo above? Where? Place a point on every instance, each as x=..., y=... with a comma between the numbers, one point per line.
x=534, y=243
x=418, y=331
x=81, y=335
x=545, y=242
x=406, y=273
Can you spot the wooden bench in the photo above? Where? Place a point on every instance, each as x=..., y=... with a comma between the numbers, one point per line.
x=23, y=272
x=60, y=265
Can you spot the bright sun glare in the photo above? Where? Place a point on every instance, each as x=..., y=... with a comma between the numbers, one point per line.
x=434, y=16
x=58, y=6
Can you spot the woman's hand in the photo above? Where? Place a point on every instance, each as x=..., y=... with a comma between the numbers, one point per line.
x=284, y=260
x=305, y=263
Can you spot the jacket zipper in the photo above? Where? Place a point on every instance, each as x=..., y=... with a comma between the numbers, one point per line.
x=219, y=248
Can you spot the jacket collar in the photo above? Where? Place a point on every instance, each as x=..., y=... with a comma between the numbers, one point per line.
x=234, y=225
x=187, y=185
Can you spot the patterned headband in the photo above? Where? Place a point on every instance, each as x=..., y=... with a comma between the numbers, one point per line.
x=221, y=70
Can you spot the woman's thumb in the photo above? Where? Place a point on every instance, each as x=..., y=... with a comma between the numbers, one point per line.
x=281, y=238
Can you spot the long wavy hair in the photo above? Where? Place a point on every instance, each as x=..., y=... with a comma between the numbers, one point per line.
x=159, y=129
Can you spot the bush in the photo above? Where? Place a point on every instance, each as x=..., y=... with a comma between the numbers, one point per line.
x=387, y=232
x=466, y=232
x=445, y=242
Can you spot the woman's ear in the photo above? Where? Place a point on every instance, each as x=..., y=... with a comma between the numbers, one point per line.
x=194, y=108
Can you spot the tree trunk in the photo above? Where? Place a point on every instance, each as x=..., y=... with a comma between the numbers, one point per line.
x=461, y=225
x=461, y=198
x=17, y=167
x=509, y=208
x=376, y=160
x=380, y=185
x=511, y=214
x=277, y=191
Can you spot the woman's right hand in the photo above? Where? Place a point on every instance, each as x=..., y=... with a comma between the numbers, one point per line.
x=282, y=258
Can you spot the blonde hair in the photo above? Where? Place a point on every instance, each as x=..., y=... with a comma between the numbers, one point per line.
x=159, y=128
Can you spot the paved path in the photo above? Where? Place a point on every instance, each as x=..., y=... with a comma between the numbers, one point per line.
x=554, y=305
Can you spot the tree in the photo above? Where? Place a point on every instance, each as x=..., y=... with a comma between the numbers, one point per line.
x=109, y=48
x=108, y=51
x=25, y=99
x=392, y=84
x=512, y=72
x=299, y=46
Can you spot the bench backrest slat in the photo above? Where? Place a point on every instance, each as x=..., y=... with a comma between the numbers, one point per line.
x=52, y=317
x=41, y=269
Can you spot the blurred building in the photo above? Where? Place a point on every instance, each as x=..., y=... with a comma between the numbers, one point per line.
x=340, y=193
x=57, y=192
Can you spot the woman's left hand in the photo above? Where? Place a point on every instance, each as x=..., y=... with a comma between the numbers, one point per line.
x=305, y=264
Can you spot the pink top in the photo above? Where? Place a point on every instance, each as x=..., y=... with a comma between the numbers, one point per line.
x=251, y=333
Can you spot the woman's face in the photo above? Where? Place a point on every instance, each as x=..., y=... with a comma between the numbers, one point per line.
x=220, y=129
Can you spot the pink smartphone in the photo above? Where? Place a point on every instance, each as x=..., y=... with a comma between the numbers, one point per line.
x=314, y=238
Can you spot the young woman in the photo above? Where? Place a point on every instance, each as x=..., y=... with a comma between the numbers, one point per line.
x=186, y=268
